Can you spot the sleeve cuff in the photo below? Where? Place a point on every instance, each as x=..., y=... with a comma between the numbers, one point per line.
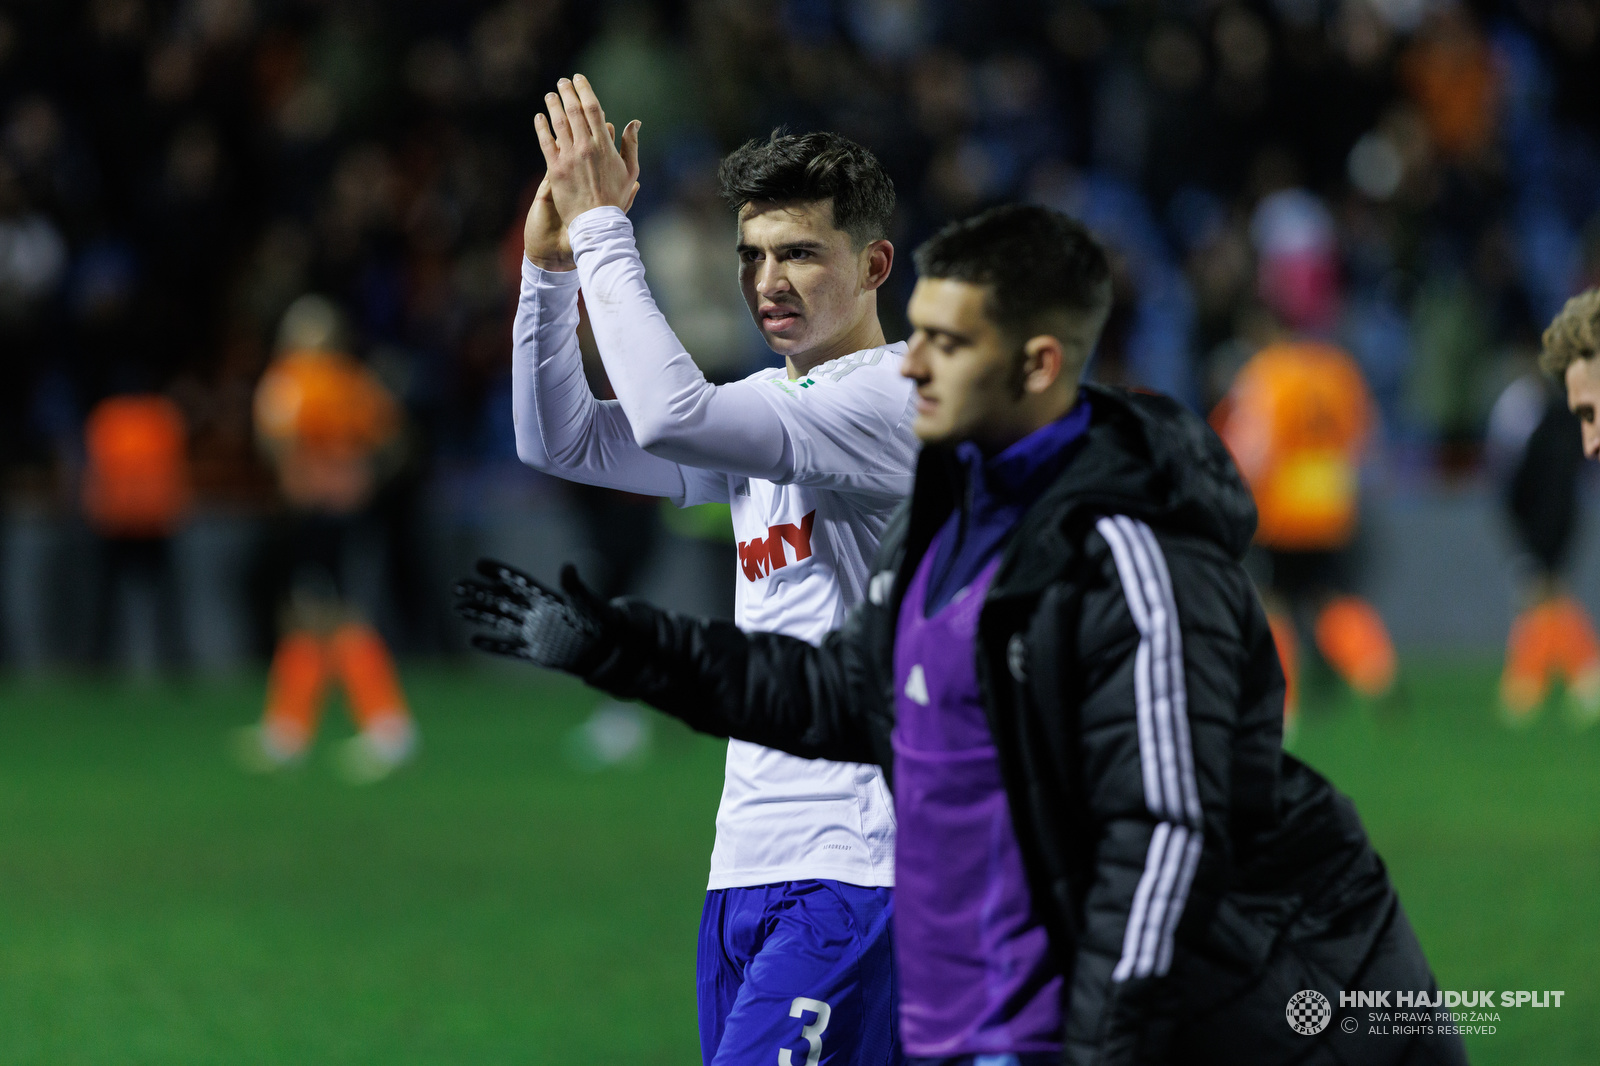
x=590, y=226
x=533, y=274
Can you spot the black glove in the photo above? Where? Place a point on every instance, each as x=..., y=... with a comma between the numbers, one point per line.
x=564, y=630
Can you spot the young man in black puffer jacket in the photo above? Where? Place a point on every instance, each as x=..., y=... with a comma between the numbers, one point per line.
x=1104, y=855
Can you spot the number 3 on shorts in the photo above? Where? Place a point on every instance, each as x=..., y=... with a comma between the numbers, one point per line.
x=812, y=1032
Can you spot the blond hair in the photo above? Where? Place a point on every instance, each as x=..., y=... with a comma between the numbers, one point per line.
x=1573, y=335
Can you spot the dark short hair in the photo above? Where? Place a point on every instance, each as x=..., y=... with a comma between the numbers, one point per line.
x=807, y=167
x=1034, y=260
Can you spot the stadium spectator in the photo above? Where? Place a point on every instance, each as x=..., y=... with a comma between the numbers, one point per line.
x=1449, y=71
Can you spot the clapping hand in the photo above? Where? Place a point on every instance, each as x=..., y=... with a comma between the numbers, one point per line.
x=585, y=167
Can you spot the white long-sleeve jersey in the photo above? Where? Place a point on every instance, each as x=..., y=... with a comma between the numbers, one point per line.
x=811, y=468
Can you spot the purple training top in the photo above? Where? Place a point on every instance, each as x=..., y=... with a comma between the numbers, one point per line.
x=975, y=970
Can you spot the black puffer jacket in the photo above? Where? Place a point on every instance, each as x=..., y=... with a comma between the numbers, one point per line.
x=1184, y=866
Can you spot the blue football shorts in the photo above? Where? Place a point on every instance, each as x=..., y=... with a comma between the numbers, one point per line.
x=801, y=972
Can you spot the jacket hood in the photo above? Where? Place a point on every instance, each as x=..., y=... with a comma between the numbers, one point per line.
x=1149, y=457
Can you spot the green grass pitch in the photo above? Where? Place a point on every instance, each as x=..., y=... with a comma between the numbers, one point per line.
x=494, y=904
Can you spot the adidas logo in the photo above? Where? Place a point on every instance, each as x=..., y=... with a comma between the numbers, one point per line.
x=917, y=686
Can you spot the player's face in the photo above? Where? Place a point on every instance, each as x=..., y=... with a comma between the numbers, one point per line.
x=806, y=283
x=963, y=366
x=1583, y=396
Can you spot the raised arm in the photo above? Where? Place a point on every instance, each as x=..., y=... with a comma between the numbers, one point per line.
x=674, y=411
x=560, y=427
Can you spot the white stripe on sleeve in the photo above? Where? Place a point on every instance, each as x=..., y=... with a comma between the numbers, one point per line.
x=1143, y=702
x=1179, y=693
x=1166, y=754
x=1140, y=913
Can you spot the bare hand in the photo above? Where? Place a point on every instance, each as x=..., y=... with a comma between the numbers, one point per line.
x=544, y=235
x=585, y=168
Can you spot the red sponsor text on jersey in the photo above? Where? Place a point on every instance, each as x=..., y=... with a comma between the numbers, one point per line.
x=763, y=555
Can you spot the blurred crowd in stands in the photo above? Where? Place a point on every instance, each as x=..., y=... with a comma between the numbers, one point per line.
x=1415, y=180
